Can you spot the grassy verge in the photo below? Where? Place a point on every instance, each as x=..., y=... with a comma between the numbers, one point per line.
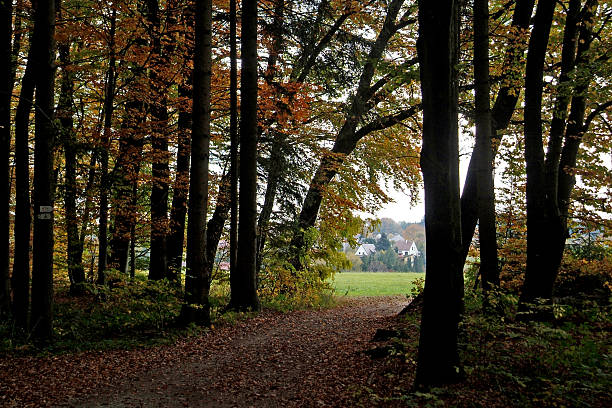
x=375, y=283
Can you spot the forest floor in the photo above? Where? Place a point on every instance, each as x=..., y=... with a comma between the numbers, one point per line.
x=301, y=358
x=328, y=358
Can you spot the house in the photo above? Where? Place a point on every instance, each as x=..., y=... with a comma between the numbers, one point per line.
x=365, y=250
x=406, y=249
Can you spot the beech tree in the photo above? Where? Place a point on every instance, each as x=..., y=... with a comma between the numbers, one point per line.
x=6, y=86
x=246, y=295
x=20, y=278
x=550, y=178
x=503, y=108
x=350, y=133
x=197, y=277
x=42, y=251
x=485, y=190
x=438, y=357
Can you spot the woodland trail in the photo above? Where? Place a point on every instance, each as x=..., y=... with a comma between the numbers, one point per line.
x=310, y=358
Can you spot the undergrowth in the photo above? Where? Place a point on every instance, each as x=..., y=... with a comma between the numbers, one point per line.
x=138, y=312
x=566, y=362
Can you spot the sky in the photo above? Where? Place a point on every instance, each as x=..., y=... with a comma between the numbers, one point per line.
x=400, y=210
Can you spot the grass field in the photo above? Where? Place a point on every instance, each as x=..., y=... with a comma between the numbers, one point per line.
x=374, y=283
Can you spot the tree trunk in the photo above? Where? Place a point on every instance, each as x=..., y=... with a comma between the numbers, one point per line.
x=503, y=109
x=42, y=268
x=6, y=86
x=76, y=272
x=276, y=167
x=438, y=358
x=109, y=97
x=559, y=161
x=246, y=296
x=215, y=225
x=176, y=237
x=20, y=280
x=125, y=180
x=160, y=173
x=233, y=255
x=538, y=218
x=489, y=272
x=197, y=278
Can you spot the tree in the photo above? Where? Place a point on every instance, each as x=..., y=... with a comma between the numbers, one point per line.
x=484, y=184
x=246, y=296
x=438, y=358
x=65, y=113
x=503, y=109
x=42, y=264
x=6, y=86
x=197, y=279
x=349, y=135
x=20, y=279
x=160, y=173
x=549, y=177
x=234, y=277
x=383, y=243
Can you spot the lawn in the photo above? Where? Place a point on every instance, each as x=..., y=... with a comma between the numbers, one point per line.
x=374, y=283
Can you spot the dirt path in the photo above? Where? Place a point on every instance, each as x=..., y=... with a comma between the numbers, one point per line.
x=305, y=358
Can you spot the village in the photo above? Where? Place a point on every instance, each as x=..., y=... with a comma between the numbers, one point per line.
x=383, y=252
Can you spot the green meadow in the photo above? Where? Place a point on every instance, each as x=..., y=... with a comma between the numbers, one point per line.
x=374, y=283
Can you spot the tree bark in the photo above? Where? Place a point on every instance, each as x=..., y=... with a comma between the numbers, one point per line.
x=438, y=358
x=176, y=237
x=559, y=182
x=489, y=272
x=246, y=296
x=160, y=173
x=109, y=97
x=20, y=280
x=42, y=269
x=6, y=86
x=503, y=109
x=538, y=218
x=233, y=255
x=197, y=279
x=76, y=272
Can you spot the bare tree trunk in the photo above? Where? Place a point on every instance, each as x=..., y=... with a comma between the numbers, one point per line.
x=109, y=96
x=538, y=218
x=20, y=280
x=160, y=173
x=486, y=195
x=176, y=237
x=42, y=269
x=246, y=296
x=6, y=86
x=197, y=279
x=438, y=357
x=233, y=250
x=76, y=272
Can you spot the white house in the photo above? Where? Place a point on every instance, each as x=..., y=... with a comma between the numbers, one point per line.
x=365, y=250
x=406, y=249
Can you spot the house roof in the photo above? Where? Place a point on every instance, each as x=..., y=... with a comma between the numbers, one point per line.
x=402, y=245
x=367, y=249
x=396, y=238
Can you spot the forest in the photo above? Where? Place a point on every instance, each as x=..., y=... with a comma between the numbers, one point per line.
x=175, y=165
